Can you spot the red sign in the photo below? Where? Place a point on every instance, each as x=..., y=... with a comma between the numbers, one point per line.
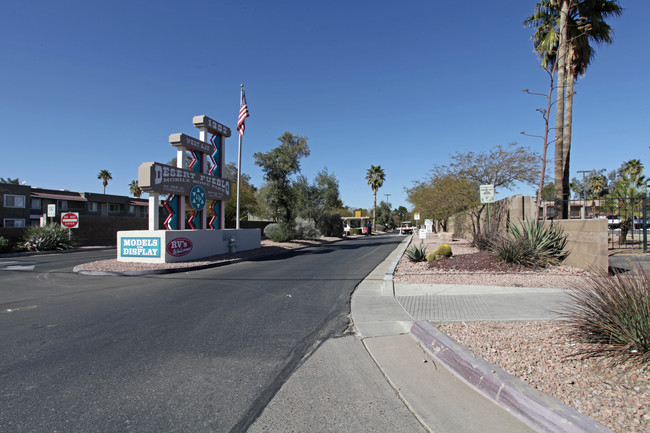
x=70, y=220
x=179, y=247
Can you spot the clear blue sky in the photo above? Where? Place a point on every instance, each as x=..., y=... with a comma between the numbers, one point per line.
x=87, y=86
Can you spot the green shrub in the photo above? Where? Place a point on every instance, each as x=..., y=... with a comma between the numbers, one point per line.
x=5, y=245
x=612, y=315
x=279, y=232
x=432, y=257
x=417, y=254
x=548, y=241
x=514, y=250
x=331, y=225
x=305, y=230
x=47, y=238
x=485, y=241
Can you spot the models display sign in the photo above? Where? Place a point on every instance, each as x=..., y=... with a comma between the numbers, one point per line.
x=166, y=179
x=140, y=247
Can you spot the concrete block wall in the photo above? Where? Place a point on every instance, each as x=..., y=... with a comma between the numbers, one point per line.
x=587, y=241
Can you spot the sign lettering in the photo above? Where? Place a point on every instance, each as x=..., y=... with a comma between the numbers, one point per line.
x=140, y=247
x=166, y=179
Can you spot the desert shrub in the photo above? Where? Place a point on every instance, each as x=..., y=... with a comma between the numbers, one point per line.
x=47, y=238
x=356, y=231
x=5, y=245
x=548, y=241
x=432, y=257
x=306, y=230
x=331, y=225
x=612, y=315
x=417, y=253
x=514, y=250
x=278, y=233
x=486, y=240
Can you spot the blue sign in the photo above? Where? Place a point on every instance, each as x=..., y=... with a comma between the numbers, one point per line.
x=140, y=247
x=197, y=197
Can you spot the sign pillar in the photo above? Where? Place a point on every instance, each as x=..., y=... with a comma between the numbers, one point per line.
x=180, y=163
x=154, y=211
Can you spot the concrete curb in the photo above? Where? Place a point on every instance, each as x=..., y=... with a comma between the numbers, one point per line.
x=537, y=409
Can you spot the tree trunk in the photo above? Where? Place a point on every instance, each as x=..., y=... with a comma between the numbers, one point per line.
x=374, y=208
x=549, y=104
x=568, y=121
x=561, y=207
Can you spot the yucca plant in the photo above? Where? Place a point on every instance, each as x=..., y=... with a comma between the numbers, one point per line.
x=417, y=254
x=47, y=238
x=612, y=315
x=548, y=241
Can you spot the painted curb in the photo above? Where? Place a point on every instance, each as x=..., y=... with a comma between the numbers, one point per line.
x=537, y=409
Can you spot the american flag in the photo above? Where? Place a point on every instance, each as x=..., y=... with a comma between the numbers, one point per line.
x=243, y=114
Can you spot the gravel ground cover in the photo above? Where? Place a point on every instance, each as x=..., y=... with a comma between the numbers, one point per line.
x=539, y=353
x=268, y=247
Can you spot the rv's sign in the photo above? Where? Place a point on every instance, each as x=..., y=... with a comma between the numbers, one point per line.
x=166, y=179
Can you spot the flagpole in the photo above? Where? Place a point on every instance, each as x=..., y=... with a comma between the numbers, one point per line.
x=241, y=94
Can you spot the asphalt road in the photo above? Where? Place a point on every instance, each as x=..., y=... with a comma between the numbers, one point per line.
x=194, y=351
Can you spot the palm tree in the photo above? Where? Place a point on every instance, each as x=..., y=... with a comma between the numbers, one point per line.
x=565, y=28
x=135, y=189
x=105, y=176
x=375, y=177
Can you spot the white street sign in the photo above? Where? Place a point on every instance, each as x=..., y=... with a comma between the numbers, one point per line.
x=416, y=216
x=423, y=233
x=51, y=210
x=487, y=193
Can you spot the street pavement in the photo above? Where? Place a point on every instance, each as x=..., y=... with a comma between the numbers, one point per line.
x=443, y=386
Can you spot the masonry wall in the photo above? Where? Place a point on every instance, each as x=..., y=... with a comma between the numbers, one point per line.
x=587, y=241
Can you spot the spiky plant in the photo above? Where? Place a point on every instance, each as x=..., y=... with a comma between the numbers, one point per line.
x=548, y=241
x=47, y=238
x=417, y=253
x=612, y=315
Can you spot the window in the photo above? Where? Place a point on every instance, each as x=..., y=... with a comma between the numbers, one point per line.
x=36, y=203
x=12, y=200
x=114, y=208
x=93, y=207
x=63, y=205
x=14, y=222
x=131, y=209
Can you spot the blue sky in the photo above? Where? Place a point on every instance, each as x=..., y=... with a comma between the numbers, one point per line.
x=88, y=85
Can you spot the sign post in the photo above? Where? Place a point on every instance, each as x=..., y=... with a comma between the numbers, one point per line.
x=487, y=197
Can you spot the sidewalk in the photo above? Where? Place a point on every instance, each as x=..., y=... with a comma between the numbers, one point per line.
x=444, y=385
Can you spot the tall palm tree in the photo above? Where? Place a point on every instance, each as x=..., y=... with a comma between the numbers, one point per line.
x=375, y=177
x=105, y=176
x=566, y=28
x=135, y=189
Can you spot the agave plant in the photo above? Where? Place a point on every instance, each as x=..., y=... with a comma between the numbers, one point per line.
x=417, y=254
x=548, y=241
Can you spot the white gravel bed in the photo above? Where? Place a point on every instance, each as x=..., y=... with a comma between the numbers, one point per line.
x=539, y=352
x=268, y=247
x=536, y=352
x=408, y=272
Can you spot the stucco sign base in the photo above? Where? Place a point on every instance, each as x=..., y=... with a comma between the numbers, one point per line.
x=168, y=246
